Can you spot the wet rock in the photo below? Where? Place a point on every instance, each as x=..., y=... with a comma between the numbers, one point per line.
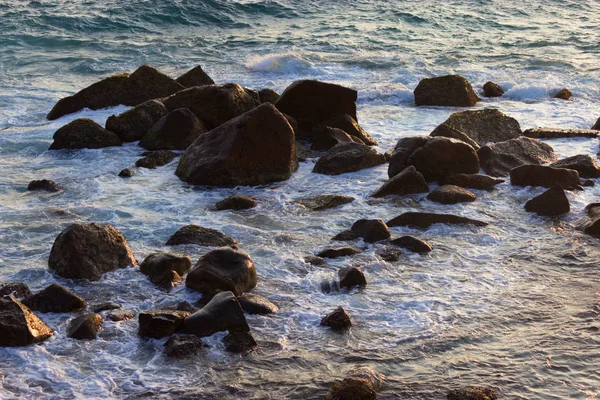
x=144, y=84
x=582, y=163
x=587, y=183
x=541, y=175
x=339, y=320
x=348, y=157
x=183, y=346
x=451, y=194
x=408, y=181
x=198, y=235
x=85, y=327
x=596, y=125
x=472, y=181
x=174, y=131
x=126, y=173
x=326, y=201
x=17, y=289
x=371, y=230
x=133, y=124
x=83, y=133
x=256, y=148
x=268, y=96
x=185, y=306
x=452, y=133
x=165, y=269
x=552, y=202
x=304, y=153
x=389, y=254
x=412, y=244
x=314, y=260
x=351, y=389
x=195, y=77
x=161, y=323
x=591, y=224
x=222, y=313
x=239, y=342
x=44, y=184
x=345, y=236
x=556, y=133
x=120, y=316
x=86, y=251
x=472, y=393
x=491, y=89
x=325, y=137
x=336, y=252
x=106, y=306
x=350, y=126
x=255, y=304
x=236, y=202
x=500, y=158
x=19, y=326
x=449, y=91
x=55, y=298
x=223, y=269
x=156, y=159
x=425, y=220
x=351, y=277
x=564, y=94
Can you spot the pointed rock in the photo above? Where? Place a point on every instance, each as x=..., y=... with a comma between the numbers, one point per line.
x=371, y=230
x=222, y=313
x=412, y=244
x=339, y=320
x=350, y=277
x=55, y=298
x=174, y=131
x=195, y=77
x=491, y=89
x=19, y=326
x=85, y=327
x=408, y=181
x=552, y=202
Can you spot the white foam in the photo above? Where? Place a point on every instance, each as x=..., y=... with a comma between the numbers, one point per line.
x=283, y=63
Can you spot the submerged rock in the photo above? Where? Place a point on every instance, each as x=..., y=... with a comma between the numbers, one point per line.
x=255, y=304
x=339, y=320
x=472, y=393
x=448, y=91
x=314, y=260
x=156, y=159
x=389, y=253
x=268, y=96
x=105, y=306
x=326, y=201
x=408, y=181
x=198, y=235
x=174, y=131
x=500, y=158
x=56, y=299
x=222, y=313
x=336, y=252
x=44, y=184
x=541, y=175
x=183, y=346
x=133, y=124
x=412, y=244
x=161, y=323
x=165, y=269
x=371, y=230
x=491, y=89
x=83, y=133
x=195, y=77
x=555, y=133
x=472, y=181
x=552, y=202
x=348, y=157
x=85, y=327
x=582, y=163
x=425, y=220
x=239, y=342
x=17, y=289
x=351, y=277
x=236, y=202
x=126, y=173
x=451, y=194
x=564, y=94
x=19, y=326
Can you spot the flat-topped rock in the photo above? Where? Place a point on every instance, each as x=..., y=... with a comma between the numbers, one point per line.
x=336, y=252
x=582, y=163
x=83, y=133
x=448, y=91
x=255, y=304
x=198, y=235
x=472, y=181
x=161, y=323
x=56, y=299
x=556, y=133
x=236, y=202
x=425, y=220
x=541, y=175
x=451, y=194
x=412, y=244
x=348, y=157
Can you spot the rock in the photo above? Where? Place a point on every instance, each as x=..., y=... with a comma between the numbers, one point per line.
x=83, y=133
x=408, y=181
x=268, y=96
x=195, y=77
x=389, y=254
x=165, y=269
x=541, y=175
x=472, y=181
x=17, y=289
x=86, y=251
x=133, y=124
x=348, y=157
x=591, y=224
x=582, y=163
x=222, y=313
x=55, y=298
x=194, y=234
x=452, y=133
x=255, y=148
x=85, y=327
x=484, y=126
x=223, y=269
x=434, y=157
x=44, y=184
x=156, y=159
x=472, y=393
x=563, y=94
x=119, y=316
x=19, y=326
x=183, y=346
x=596, y=125
x=213, y=104
x=351, y=389
x=326, y=201
x=587, y=183
x=552, y=202
x=336, y=252
x=451, y=194
x=314, y=260
x=255, y=304
x=556, y=133
x=174, y=131
x=185, y=306
x=350, y=277
x=236, y=202
x=126, y=173
x=144, y=84
x=160, y=323
x=500, y=158
x=239, y=342
x=412, y=244
x=325, y=137
x=491, y=89
x=350, y=126
x=425, y=220
x=345, y=236
x=371, y=230
x=304, y=153
x=106, y=306
x=339, y=320
x=449, y=91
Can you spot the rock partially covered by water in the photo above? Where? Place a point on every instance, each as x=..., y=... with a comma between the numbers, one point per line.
x=425, y=220
x=17, y=289
x=86, y=251
x=360, y=384
x=156, y=159
x=448, y=91
x=145, y=83
x=371, y=230
x=255, y=304
x=44, y=184
x=239, y=342
x=268, y=96
x=552, y=202
x=336, y=252
x=541, y=175
x=412, y=244
x=326, y=201
x=161, y=323
x=491, y=89
x=348, y=124
x=351, y=277
x=19, y=326
x=339, y=320
x=126, y=173
x=85, y=327
x=198, y=235
x=183, y=346
x=564, y=94
x=256, y=148
x=133, y=124
x=472, y=181
x=325, y=137
x=556, y=133
x=174, y=131
x=161, y=268
x=348, y=157
x=56, y=299
x=408, y=181
x=472, y=393
x=223, y=269
x=222, y=313
x=236, y=202
x=596, y=126
x=83, y=133
x=582, y=163
x=195, y=77
x=451, y=194
x=105, y=306
x=500, y=158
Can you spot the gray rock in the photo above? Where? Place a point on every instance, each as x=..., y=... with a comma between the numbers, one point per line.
x=326, y=201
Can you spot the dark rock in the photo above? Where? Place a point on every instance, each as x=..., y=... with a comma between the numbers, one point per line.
x=85, y=327
x=223, y=269
x=19, y=326
x=222, y=313
x=304, y=153
x=325, y=137
x=425, y=220
x=133, y=124
x=582, y=163
x=541, y=175
x=348, y=157
x=55, y=298
x=591, y=224
x=168, y=280
x=326, y=201
x=472, y=181
x=160, y=323
x=349, y=125
x=452, y=133
x=126, y=173
x=412, y=244
x=491, y=89
x=239, y=342
x=106, y=306
x=119, y=316
x=371, y=230
x=183, y=346
x=339, y=252
x=185, y=306
x=17, y=289
x=449, y=91
x=83, y=133
x=556, y=133
x=174, y=131
x=451, y=194
x=44, y=184
x=408, y=181
x=472, y=393
x=500, y=158
x=165, y=269
x=339, y=320
x=255, y=304
x=144, y=84
x=588, y=183
x=564, y=94
x=195, y=77
x=389, y=254
x=156, y=159
x=351, y=389
x=596, y=126
x=255, y=148
x=236, y=202
x=268, y=96
x=194, y=234
x=345, y=236
x=86, y=251
x=351, y=277
x=552, y=202
x=314, y=260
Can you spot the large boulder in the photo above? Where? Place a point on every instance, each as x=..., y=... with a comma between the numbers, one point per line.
x=83, y=133
x=449, y=91
x=541, y=175
x=198, y=235
x=255, y=148
x=349, y=125
x=56, y=299
x=453, y=133
x=451, y=194
x=133, y=124
x=223, y=269
x=85, y=327
x=145, y=83
x=268, y=96
x=425, y=220
x=491, y=89
x=472, y=181
x=351, y=277
x=174, y=131
x=222, y=313
x=552, y=202
x=556, y=133
x=161, y=323
x=499, y=158
x=195, y=77
x=408, y=181
x=582, y=163
x=86, y=251
x=19, y=326
x=348, y=157
x=163, y=269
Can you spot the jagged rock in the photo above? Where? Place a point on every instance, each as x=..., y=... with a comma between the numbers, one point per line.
x=596, y=125
x=552, y=202
x=183, y=346
x=425, y=220
x=174, y=131
x=389, y=254
x=239, y=342
x=255, y=304
x=541, y=175
x=325, y=137
x=412, y=244
x=350, y=126
x=500, y=158
x=236, y=202
x=165, y=269
x=106, y=306
x=348, y=157
x=55, y=298
x=339, y=320
x=133, y=124
x=451, y=194
x=408, y=181
x=452, y=133
x=85, y=327
x=222, y=313
x=19, y=326
x=472, y=181
x=582, y=163
x=449, y=91
x=83, y=133
x=564, y=94
x=195, y=77
x=336, y=252
x=120, y=316
x=314, y=260
x=160, y=323
x=472, y=393
x=351, y=277
x=268, y=96
x=371, y=230
x=86, y=251
x=126, y=173
x=198, y=235
x=44, y=184
x=326, y=201
x=156, y=159
x=17, y=289
x=556, y=133
x=491, y=89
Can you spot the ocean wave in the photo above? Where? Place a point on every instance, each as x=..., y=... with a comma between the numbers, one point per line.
x=285, y=63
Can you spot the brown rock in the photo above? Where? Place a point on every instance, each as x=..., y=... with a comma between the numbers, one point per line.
x=17, y=289
x=133, y=124
x=348, y=124
x=582, y=163
x=239, y=342
x=596, y=125
x=236, y=202
x=19, y=326
x=491, y=89
x=325, y=137
x=255, y=304
x=453, y=133
x=449, y=91
x=564, y=94
x=222, y=313
x=194, y=234
x=56, y=299
x=500, y=158
x=472, y=393
x=350, y=277
x=472, y=181
x=160, y=323
x=268, y=96
x=556, y=133
x=451, y=194
x=339, y=320
x=412, y=244
x=156, y=159
x=351, y=389
x=541, y=175
x=425, y=220
x=339, y=252
x=175, y=131
x=44, y=184
x=183, y=346
x=326, y=201
x=83, y=133
x=348, y=157
x=371, y=230
x=85, y=327
x=165, y=269
x=126, y=173
x=552, y=202
x=195, y=77
x=408, y=181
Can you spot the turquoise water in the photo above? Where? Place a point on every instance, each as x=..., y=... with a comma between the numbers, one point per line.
x=513, y=306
